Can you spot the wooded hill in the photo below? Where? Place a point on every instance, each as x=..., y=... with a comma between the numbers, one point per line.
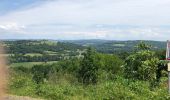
x=111, y=46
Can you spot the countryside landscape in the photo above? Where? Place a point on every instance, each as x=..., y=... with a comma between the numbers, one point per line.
x=83, y=70
x=84, y=50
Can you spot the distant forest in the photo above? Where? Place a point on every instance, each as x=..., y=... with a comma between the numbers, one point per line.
x=48, y=50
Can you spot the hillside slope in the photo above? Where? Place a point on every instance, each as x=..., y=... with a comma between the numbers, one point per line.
x=111, y=46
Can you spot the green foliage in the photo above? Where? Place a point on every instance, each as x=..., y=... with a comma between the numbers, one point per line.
x=118, y=47
x=69, y=66
x=40, y=50
x=111, y=63
x=88, y=73
x=31, y=64
x=38, y=46
x=161, y=54
x=142, y=65
x=62, y=80
x=119, y=89
x=109, y=66
x=22, y=84
x=21, y=69
x=143, y=46
x=23, y=58
x=40, y=73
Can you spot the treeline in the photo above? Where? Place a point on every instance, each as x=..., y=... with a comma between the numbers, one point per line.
x=27, y=50
x=126, y=46
x=111, y=46
x=17, y=58
x=103, y=46
x=39, y=46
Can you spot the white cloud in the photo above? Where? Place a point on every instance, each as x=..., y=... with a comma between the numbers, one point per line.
x=147, y=12
x=11, y=26
x=77, y=19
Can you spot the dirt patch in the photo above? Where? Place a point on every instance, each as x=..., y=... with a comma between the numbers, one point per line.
x=12, y=97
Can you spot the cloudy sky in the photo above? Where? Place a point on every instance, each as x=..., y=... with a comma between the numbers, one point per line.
x=85, y=19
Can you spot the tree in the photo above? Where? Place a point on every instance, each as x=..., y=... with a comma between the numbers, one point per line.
x=143, y=46
x=142, y=65
x=161, y=54
x=88, y=72
x=110, y=63
x=40, y=72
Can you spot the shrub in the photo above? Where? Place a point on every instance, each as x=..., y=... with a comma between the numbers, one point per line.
x=40, y=72
x=88, y=72
x=142, y=65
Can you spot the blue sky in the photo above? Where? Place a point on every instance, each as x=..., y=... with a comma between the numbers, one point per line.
x=85, y=19
x=7, y=6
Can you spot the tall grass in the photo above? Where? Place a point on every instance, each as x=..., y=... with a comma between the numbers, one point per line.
x=65, y=87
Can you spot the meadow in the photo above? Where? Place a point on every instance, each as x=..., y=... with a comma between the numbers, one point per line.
x=30, y=64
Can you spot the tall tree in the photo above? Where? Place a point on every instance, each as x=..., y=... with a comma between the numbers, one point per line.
x=88, y=72
x=142, y=65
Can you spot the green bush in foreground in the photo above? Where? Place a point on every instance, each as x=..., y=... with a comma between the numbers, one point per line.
x=142, y=65
x=88, y=72
x=118, y=89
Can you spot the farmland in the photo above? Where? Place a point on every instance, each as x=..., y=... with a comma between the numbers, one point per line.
x=71, y=71
x=84, y=50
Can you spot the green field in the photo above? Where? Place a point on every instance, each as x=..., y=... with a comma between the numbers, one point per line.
x=119, y=45
x=6, y=55
x=30, y=64
x=33, y=54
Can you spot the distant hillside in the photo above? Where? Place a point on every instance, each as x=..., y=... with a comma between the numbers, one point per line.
x=104, y=46
x=110, y=46
x=86, y=42
x=119, y=46
x=40, y=50
x=39, y=46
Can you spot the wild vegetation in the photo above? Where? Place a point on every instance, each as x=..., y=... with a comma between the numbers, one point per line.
x=40, y=50
x=137, y=75
x=111, y=46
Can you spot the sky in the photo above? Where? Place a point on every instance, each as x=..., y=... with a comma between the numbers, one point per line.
x=85, y=19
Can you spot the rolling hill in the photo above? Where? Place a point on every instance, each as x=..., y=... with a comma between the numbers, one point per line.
x=111, y=46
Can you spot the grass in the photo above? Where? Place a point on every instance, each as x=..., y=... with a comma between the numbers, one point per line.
x=33, y=54
x=119, y=45
x=30, y=64
x=119, y=89
x=51, y=52
x=6, y=55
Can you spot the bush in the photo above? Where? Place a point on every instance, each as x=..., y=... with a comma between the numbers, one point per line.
x=22, y=84
x=40, y=72
x=111, y=64
x=21, y=69
x=88, y=72
x=142, y=65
